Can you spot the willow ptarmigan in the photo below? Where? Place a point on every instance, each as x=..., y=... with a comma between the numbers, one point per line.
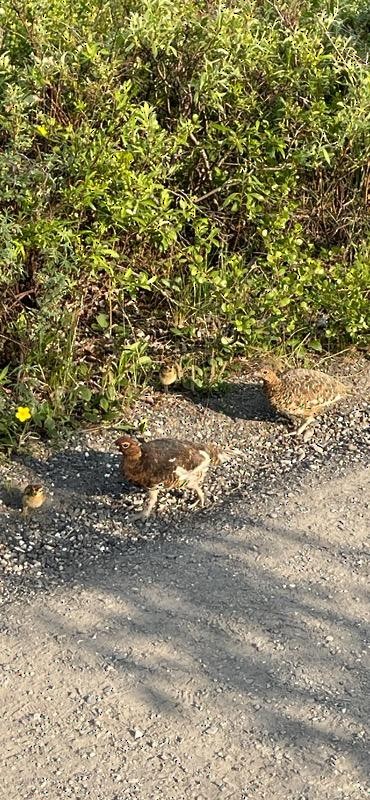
x=34, y=496
x=302, y=393
x=169, y=374
x=163, y=464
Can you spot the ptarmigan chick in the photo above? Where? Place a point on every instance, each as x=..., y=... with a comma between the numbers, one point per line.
x=167, y=464
x=169, y=374
x=34, y=496
x=302, y=393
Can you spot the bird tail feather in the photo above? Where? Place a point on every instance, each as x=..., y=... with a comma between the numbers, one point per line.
x=222, y=455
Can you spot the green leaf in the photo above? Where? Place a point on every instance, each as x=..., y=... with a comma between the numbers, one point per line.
x=3, y=373
x=49, y=425
x=144, y=360
x=326, y=155
x=102, y=321
x=84, y=393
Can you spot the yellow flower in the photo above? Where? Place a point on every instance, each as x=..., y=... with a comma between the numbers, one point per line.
x=23, y=413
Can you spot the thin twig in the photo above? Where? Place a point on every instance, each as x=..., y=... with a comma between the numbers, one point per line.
x=209, y=194
x=204, y=156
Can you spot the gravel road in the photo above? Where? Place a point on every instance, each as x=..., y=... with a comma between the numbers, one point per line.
x=207, y=654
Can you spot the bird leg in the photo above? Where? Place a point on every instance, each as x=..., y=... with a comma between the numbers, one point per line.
x=298, y=431
x=305, y=425
x=200, y=495
x=152, y=502
x=147, y=510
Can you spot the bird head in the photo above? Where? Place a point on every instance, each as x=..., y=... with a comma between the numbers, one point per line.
x=128, y=446
x=168, y=372
x=34, y=490
x=267, y=376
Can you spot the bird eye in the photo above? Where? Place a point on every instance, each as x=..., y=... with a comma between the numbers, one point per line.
x=125, y=445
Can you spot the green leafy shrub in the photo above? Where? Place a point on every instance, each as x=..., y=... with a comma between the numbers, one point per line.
x=172, y=174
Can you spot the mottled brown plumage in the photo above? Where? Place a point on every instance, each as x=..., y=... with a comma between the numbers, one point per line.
x=169, y=374
x=33, y=497
x=302, y=393
x=166, y=464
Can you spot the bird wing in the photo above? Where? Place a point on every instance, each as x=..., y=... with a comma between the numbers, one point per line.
x=162, y=458
x=165, y=454
x=311, y=389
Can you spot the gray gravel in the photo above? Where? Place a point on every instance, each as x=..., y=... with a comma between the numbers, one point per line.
x=89, y=510
x=207, y=654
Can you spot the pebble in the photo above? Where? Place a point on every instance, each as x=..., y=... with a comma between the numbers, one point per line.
x=136, y=733
x=211, y=730
x=90, y=699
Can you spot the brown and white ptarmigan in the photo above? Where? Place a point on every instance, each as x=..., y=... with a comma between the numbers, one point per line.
x=302, y=393
x=163, y=464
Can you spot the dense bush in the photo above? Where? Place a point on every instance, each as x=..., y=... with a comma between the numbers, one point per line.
x=188, y=174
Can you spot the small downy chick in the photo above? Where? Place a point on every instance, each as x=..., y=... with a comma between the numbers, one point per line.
x=302, y=393
x=163, y=464
x=34, y=497
x=169, y=374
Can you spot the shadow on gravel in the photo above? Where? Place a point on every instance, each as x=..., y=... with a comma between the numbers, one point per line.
x=89, y=473
x=238, y=401
x=197, y=622
x=213, y=609
x=213, y=614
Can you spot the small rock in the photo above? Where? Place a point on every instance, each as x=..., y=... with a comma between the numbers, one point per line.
x=136, y=733
x=211, y=730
